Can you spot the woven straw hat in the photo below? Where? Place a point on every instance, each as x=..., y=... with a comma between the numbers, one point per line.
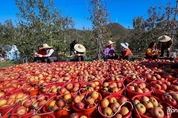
x=164, y=38
x=79, y=48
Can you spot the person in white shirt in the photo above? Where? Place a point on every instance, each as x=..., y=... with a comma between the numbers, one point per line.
x=51, y=54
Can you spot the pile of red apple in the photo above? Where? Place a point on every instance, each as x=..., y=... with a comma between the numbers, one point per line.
x=114, y=106
x=91, y=86
x=71, y=87
x=85, y=101
x=68, y=83
x=161, y=86
x=149, y=106
x=171, y=99
x=50, y=89
x=137, y=88
x=112, y=87
x=10, y=101
x=78, y=115
x=29, y=105
x=58, y=102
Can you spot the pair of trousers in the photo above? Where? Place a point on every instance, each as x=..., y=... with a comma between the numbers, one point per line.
x=163, y=49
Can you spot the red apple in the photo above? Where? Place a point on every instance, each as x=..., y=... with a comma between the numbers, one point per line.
x=122, y=99
x=74, y=115
x=124, y=111
x=132, y=88
x=80, y=105
x=69, y=86
x=157, y=112
x=77, y=99
x=141, y=108
x=95, y=95
x=163, y=86
x=157, y=86
x=107, y=111
x=104, y=103
x=21, y=110
x=112, y=99
x=171, y=101
x=27, y=103
x=60, y=103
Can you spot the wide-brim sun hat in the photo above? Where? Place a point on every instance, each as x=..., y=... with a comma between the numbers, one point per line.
x=164, y=38
x=110, y=42
x=46, y=46
x=125, y=45
x=79, y=48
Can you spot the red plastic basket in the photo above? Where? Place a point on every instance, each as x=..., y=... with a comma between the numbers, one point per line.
x=157, y=92
x=80, y=114
x=87, y=111
x=86, y=86
x=46, y=115
x=32, y=92
x=50, y=94
x=131, y=94
x=128, y=105
x=15, y=91
x=12, y=115
x=58, y=113
x=164, y=99
x=120, y=92
x=8, y=109
x=138, y=115
x=73, y=86
x=26, y=115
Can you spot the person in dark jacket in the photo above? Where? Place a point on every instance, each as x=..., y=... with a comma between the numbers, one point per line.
x=165, y=44
x=72, y=50
x=51, y=54
x=79, y=53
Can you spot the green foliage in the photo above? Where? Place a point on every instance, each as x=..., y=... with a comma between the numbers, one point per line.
x=161, y=20
x=4, y=64
x=99, y=18
x=40, y=22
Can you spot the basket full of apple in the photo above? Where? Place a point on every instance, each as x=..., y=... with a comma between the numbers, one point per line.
x=108, y=89
x=148, y=106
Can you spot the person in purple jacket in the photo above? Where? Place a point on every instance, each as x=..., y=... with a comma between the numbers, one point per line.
x=109, y=52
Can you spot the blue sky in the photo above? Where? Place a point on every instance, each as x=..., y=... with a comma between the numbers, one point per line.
x=121, y=11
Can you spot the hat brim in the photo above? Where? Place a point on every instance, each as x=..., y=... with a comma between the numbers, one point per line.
x=111, y=43
x=164, y=38
x=123, y=45
x=46, y=47
x=79, y=48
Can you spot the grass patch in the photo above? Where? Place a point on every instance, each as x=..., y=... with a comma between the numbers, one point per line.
x=4, y=64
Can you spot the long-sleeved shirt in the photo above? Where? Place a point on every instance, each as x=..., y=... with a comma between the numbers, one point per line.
x=150, y=52
x=165, y=44
x=127, y=52
x=108, y=50
x=49, y=52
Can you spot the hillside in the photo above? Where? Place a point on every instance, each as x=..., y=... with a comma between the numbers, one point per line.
x=116, y=30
